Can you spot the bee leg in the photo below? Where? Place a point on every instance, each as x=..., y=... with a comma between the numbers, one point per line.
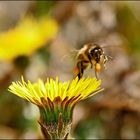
x=80, y=74
x=96, y=75
x=105, y=60
x=91, y=65
x=89, y=57
x=81, y=71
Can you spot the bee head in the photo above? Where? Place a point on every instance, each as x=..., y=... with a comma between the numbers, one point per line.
x=96, y=52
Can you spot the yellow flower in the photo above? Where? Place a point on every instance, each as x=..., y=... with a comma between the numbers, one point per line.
x=53, y=89
x=26, y=37
x=56, y=101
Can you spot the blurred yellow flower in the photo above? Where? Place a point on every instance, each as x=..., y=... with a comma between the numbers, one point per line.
x=29, y=35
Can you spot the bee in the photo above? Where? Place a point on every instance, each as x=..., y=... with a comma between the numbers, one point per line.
x=91, y=54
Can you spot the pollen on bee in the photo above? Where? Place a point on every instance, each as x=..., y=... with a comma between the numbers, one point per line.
x=76, y=70
x=97, y=67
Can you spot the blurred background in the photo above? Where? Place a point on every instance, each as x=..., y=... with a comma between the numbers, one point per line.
x=38, y=39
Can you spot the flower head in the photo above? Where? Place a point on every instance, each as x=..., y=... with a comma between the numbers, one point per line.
x=55, y=91
x=56, y=99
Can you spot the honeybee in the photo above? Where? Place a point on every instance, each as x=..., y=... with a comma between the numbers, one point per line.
x=90, y=54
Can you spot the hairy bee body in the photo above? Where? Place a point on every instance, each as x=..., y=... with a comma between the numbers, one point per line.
x=90, y=54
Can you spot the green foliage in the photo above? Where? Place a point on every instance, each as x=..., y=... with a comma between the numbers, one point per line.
x=129, y=26
x=90, y=128
x=44, y=7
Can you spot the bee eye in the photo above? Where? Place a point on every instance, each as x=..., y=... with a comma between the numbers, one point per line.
x=96, y=50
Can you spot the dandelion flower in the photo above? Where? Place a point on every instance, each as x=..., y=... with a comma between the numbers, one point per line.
x=56, y=101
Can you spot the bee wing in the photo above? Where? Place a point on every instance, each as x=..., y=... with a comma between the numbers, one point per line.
x=70, y=56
